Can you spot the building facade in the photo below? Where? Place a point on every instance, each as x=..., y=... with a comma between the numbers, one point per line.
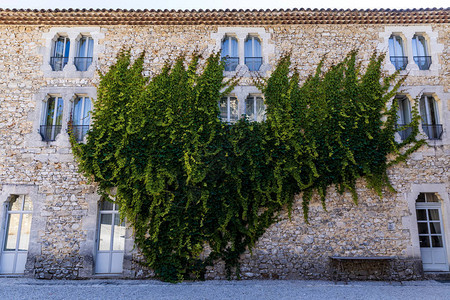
x=53, y=223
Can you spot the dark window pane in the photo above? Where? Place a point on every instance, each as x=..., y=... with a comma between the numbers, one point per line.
x=423, y=228
x=424, y=241
x=106, y=205
x=433, y=214
x=435, y=227
x=437, y=241
x=421, y=197
x=431, y=197
x=421, y=215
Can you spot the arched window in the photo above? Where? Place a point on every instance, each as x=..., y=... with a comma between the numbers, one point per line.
x=420, y=52
x=253, y=56
x=230, y=53
x=81, y=117
x=17, y=235
x=51, y=118
x=429, y=111
x=255, y=109
x=111, y=240
x=404, y=116
x=229, y=109
x=60, y=54
x=397, y=52
x=431, y=232
x=85, y=52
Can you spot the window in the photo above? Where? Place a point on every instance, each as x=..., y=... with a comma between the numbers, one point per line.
x=420, y=52
x=60, y=53
x=230, y=53
x=253, y=57
x=431, y=232
x=229, y=109
x=430, y=117
x=81, y=117
x=111, y=240
x=255, y=109
x=404, y=116
x=17, y=235
x=397, y=52
x=84, y=53
x=52, y=118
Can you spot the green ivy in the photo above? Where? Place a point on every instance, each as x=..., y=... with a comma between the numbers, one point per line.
x=197, y=190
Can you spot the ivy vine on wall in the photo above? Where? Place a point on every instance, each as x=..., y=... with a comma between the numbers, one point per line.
x=196, y=189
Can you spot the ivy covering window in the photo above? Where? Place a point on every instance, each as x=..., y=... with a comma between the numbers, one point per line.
x=253, y=57
x=404, y=116
x=397, y=52
x=229, y=109
x=230, y=53
x=255, y=109
x=60, y=54
x=84, y=53
x=430, y=117
x=81, y=117
x=52, y=118
x=420, y=52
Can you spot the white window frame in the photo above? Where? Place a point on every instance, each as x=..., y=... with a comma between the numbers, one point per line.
x=16, y=250
x=255, y=97
x=114, y=212
x=228, y=118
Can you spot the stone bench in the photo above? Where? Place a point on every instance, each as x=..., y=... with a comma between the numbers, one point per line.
x=361, y=267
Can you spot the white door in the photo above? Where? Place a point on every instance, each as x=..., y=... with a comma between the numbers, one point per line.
x=431, y=236
x=17, y=235
x=110, y=241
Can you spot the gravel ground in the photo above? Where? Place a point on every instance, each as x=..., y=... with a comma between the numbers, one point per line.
x=24, y=288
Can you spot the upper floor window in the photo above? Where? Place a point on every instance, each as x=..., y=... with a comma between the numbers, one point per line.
x=229, y=109
x=85, y=53
x=404, y=116
x=52, y=118
x=253, y=56
x=397, y=52
x=430, y=117
x=420, y=52
x=230, y=53
x=81, y=117
x=60, y=54
x=254, y=108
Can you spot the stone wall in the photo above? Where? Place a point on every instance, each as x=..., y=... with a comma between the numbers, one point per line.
x=64, y=221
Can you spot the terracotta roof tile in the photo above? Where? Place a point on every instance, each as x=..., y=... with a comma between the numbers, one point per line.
x=221, y=17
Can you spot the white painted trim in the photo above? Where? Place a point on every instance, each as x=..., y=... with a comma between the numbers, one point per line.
x=74, y=34
x=407, y=33
x=241, y=33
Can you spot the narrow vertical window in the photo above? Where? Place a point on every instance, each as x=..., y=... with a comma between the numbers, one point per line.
x=60, y=54
x=111, y=240
x=420, y=52
x=404, y=116
x=229, y=109
x=84, y=53
x=230, y=53
x=430, y=118
x=52, y=118
x=431, y=233
x=17, y=235
x=397, y=52
x=81, y=117
x=253, y=56
x=255, y=109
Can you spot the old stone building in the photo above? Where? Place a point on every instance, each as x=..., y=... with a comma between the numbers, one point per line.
x=53, y=223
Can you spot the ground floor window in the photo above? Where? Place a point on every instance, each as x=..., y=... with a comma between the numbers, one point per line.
x=16, y=235
x=110, y=240
x=431, y=233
